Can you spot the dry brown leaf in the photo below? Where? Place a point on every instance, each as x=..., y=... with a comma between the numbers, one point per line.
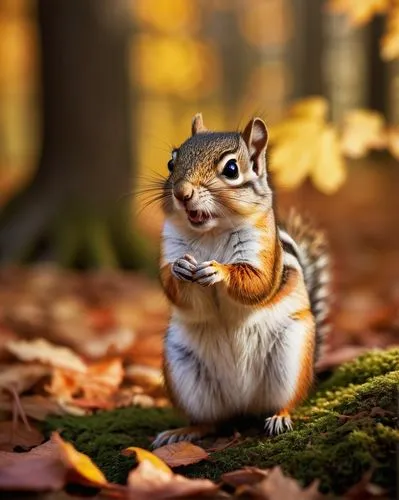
x=40, y=469
x=147, y=350
x=147, y=481
x=49, y=354
x=81, y=465
x=362, y=131
x=245, y=476
x=96, y=386
x=13, y=434
x=43, y=474
x=276, y=486
x=365, y=490
x=359, y=11
x=304, y=144
x=182, y=453
x=112, y=343
x=49, y=449
x=20, y=377
x=36, y=406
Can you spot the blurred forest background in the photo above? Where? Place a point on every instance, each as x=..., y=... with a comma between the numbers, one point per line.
x=94, y=93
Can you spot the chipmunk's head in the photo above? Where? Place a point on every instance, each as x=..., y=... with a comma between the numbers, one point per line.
x=218, y=179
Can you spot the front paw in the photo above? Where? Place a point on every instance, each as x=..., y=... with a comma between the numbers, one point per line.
x=184, y=268
x=208, y=273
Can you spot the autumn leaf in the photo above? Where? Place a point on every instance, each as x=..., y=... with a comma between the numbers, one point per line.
x=276, y=486
x=145, y=376
x=47, y=353
x=79, y=463
x=362, y=131
x=99, y=382
x=365, y=489
x=390, y=40
x=46, y=474
x=14, y=434
x=304, y=144
x=20, y=377
x=142, y=455
x=359, y=11
x=329, y=172
x=182, y=453
x=149, y=481
x=35, y=406
x=49, y=449
x=245, y=476
x=112, y=343
x=40, y=469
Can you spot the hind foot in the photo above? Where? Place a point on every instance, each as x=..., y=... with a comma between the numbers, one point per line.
x=279, y=423
x=192, y=433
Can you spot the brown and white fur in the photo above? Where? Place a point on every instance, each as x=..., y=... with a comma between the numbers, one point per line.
x=248, y=298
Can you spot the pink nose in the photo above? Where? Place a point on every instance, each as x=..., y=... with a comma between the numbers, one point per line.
x=183, y=191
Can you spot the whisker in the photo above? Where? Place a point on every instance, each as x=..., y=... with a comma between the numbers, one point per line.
x=151, y=202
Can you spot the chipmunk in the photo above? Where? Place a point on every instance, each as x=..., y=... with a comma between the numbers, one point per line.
x=249, y=297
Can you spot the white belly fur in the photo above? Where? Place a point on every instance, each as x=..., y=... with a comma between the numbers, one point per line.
x=225, y=367
x=225, y=358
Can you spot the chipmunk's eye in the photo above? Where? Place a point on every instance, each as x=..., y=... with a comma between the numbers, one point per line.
x=170, y=165
x=231, y=170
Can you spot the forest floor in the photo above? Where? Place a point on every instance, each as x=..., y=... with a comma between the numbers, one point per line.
x=80, y=353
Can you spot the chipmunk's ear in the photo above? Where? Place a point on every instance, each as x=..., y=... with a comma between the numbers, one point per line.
x=197, y=125
x=256, y=136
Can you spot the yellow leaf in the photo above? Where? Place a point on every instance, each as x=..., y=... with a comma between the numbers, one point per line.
x=329, y=172
x=145, y=455
x=300, y=148
x=362, y=131
x=314, y=108
x=80, y=463
x=359, y=11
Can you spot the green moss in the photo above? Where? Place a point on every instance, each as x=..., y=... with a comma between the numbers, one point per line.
x=337, y=435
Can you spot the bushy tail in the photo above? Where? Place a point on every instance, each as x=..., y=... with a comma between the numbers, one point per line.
x=314, y=257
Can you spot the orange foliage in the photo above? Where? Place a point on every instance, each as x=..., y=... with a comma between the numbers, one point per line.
x=178, y=66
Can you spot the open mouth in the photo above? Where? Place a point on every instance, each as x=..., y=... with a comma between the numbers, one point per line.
x=197, y=217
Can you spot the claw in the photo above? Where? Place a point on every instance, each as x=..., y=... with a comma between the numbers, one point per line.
x=277, y=424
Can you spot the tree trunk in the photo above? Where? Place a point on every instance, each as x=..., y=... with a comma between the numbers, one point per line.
x=72, y=210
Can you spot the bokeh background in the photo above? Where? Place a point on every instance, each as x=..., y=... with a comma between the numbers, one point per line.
x=95, y=93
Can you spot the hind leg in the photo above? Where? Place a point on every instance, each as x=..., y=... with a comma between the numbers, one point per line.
x=299, y=373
